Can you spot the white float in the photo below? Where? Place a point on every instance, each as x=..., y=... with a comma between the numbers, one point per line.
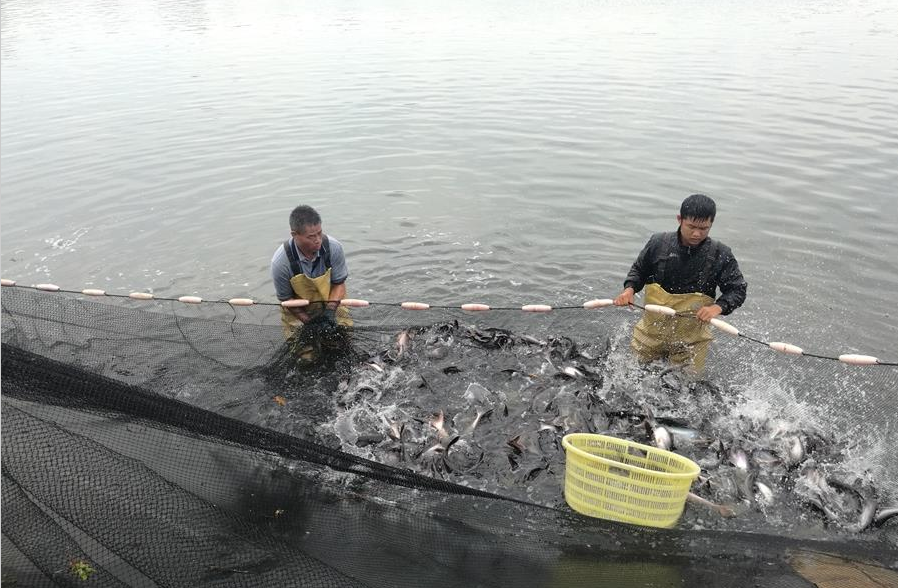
x=725, y=326
x=598, y=303
x=415, y=306
x=657, y=308
x=786, y=348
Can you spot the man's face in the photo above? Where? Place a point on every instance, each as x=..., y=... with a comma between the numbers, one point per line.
x=308, y=239
x=694, y=230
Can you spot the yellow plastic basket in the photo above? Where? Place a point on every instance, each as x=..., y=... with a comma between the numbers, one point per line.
x=625, y=481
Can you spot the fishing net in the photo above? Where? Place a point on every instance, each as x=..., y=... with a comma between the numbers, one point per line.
x=156, y=443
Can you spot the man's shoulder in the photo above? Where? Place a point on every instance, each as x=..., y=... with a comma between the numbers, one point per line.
x=279, y=255
x=662, y=237
x=720, y=247
x=720, y=251
x=334, y=245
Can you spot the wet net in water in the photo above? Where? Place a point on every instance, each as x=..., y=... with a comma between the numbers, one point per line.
x=154, y=443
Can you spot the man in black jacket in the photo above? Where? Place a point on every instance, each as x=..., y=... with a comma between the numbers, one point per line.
x=683, y=270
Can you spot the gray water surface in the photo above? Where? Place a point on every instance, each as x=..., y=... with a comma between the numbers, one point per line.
x=507, y=153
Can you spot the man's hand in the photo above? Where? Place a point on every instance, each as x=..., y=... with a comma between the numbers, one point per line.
x=299, y=313
x=330, y=316
x=625, y=298
x=706, y=313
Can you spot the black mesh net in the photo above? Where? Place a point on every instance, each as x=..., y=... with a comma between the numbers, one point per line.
x=154, y=443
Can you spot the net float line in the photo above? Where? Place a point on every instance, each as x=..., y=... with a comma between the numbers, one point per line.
x=854, y=359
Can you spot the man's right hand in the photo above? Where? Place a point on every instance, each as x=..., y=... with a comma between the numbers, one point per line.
x=625, y=298
x=302, y=316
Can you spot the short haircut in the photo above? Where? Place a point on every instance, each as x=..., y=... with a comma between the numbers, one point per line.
x=699, y=207
x=302, y=217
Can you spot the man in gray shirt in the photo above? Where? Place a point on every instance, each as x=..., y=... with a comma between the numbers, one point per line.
x=310, y=266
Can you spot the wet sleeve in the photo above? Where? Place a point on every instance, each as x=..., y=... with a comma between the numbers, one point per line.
x=339, y=271
x=733, y=287
x=281, y=274
x=641, y=269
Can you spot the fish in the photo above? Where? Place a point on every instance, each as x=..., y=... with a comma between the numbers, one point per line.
x=722, y=510
x=813, y=488
x=796, y=450
x=722, y=485
x=744, y=477
x=662, y=439
x=660, y=436
x=547, y=441
x=538, y=402
x=436, y=456
x=591, y=374
x=417, y=381
x=867, y=501
x=884, y=515
x=790, y=449
x=403, y=455
x=463, y=455
x=396, y=430
x=765, y=492
x=432, y=457
x=476, y=393
x=403, y=340
x=480, y=415
x=866, y=516
x=467, y=423
x=532, y=473
x=375, y=366
x=516, y=444
x=368, y=439
x=445, y=328
x=531, y=340
x=705, y=389
x=686, y=437
x=491, y=338
x=673, y=378
x=562, y=346
x=437, y=421
x=739, y=459
x=764, y=458
x=570, y=412
x=572, y=372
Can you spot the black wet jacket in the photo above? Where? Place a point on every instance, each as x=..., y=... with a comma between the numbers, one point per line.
x=680, y=269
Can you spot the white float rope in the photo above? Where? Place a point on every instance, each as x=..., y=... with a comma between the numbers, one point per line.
x=787, y=348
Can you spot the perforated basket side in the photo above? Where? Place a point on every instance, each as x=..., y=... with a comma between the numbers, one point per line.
x=625, y=481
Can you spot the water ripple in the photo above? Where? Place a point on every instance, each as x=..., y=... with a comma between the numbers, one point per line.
x=557, y=136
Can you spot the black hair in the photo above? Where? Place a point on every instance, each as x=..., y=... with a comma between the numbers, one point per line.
x=699, y=207
x=302, y=217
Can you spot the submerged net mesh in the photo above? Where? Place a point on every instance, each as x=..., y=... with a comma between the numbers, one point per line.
x=151, y=443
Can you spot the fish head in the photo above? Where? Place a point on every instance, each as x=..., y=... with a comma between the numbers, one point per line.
x=739, y=458
x=662, y=438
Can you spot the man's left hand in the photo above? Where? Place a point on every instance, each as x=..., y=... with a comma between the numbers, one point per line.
x=706, y=313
